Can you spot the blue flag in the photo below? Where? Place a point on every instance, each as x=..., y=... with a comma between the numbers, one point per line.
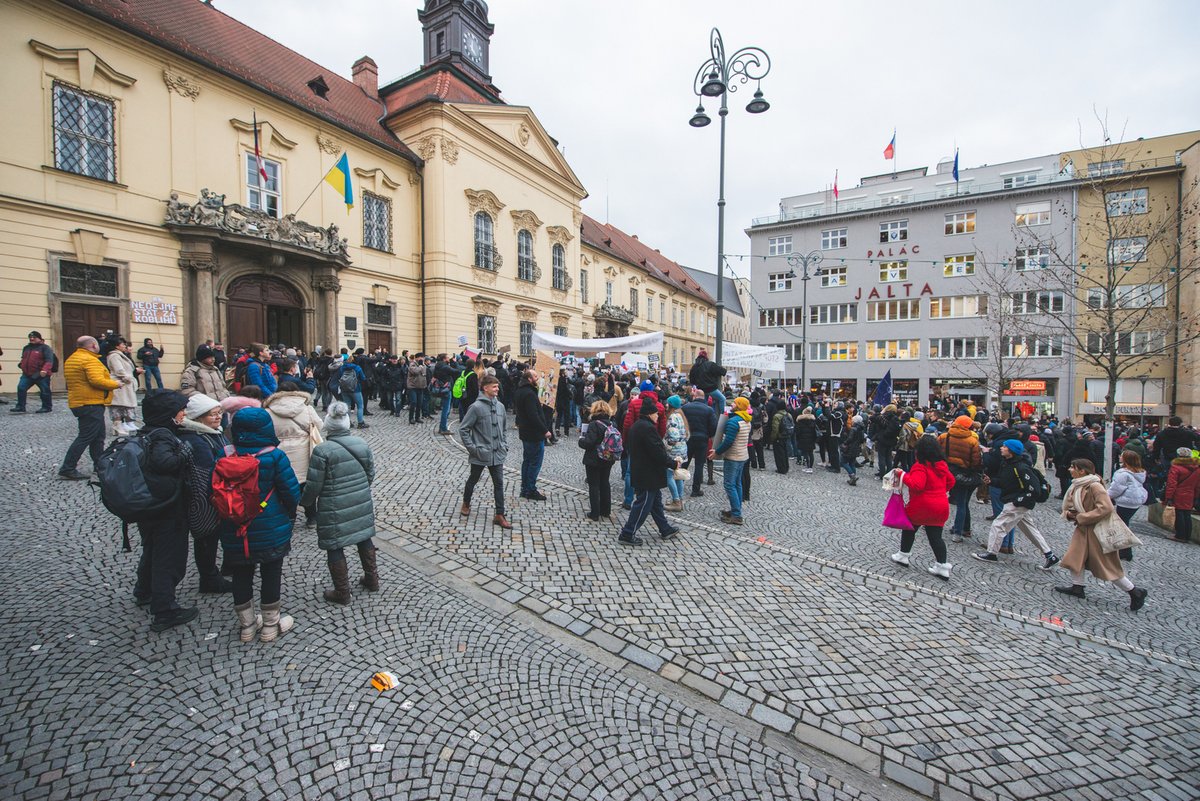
x=883, y=392
x=956, y=165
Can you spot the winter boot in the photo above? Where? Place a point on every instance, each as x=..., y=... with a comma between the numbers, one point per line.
x=900, y=558
x=853, y=480
x=274, y=623
x=340, y=594
x=1074, y=590
x=940, y=570
x=249, y=622
x=370, y=579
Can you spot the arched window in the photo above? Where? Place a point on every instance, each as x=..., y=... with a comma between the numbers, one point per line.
x=485, y=248
x=524, y=255
x=559, y=257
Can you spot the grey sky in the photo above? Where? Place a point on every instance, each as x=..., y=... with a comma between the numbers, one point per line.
x=612, y=82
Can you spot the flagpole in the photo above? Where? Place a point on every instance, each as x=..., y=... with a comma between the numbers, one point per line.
x=318, y=186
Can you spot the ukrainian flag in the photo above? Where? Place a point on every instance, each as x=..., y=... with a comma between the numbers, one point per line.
x=339, y=179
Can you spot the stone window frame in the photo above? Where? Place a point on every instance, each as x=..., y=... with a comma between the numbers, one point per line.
x=372, y=197
x=114, y=116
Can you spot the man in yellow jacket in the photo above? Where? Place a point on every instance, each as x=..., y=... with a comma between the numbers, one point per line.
x=89, y=390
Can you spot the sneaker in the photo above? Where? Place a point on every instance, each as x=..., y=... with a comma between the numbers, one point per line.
x=593, y=518
x=536, y=496
x=697, y=493
x=726, y=516
x=900, y=558
x=956, y=538
x=808, y=470
x=985, y=556
x=735, y=521
x=72, y=475
x=634, y=541
x=669, y=533
x=1050, y=561
x=363, y=425
x=16, y=410
x=1007, y=550
x=1137, y=598
x=43, y=411
x=627, y=507
x=175, y=618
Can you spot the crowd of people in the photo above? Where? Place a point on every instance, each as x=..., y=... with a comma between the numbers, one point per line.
x=664, y=428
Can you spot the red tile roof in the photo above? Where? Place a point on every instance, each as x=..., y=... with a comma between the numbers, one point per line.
x=630, y=249
x=199, y=32
x=441, y=84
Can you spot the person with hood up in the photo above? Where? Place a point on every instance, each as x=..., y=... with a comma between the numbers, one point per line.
x=733, y=448
x=269, y=535
x=595, y=468
x=887, y=438
x=965, y=459
x=1183, y=487
x=928, y=482
x=1015, y=481
x=807, y=434
x=201, y=431
x=708, y=375
x=202, y=376
x=648, y=464
x=337, y=486
x=1086, y=504
x=164, y=539
x=853, y=437
x=1128, y=492
x=298, y=428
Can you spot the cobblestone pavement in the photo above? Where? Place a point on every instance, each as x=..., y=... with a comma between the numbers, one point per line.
x=958, y=689
x=494, y=701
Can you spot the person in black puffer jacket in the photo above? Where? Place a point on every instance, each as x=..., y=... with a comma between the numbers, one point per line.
x=806, y=438
x=201, y=431
x=164, y=539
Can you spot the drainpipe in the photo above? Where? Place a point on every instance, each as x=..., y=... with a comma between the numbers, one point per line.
x=1178, y=294
x=421, y=173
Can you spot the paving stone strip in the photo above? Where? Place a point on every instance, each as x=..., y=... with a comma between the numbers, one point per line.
x=939, y=700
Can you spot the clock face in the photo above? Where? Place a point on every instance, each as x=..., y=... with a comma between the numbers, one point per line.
x=473, y=48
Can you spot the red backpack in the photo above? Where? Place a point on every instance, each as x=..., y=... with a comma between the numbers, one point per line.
x=235, y=493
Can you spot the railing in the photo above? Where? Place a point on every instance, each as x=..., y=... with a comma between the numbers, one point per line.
x=1111, y=168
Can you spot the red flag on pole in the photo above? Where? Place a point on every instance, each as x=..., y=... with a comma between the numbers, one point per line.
x=835, y=191
x=890, y=151
x=262, y=170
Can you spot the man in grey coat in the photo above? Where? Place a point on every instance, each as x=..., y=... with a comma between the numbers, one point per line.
x=484, y=435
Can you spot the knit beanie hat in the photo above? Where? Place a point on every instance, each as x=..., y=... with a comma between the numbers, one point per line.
x=199, y=405
x=675, y=402
x=741, y=403
x=1184, y=452
x=963, y=421
x=1014, y=445
x=646, y=386
x=203, y=352
x=337, y=420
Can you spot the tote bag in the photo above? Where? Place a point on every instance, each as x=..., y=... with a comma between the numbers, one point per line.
x=894, y=515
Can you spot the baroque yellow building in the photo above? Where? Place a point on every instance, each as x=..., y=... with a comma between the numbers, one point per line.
x=163, y=179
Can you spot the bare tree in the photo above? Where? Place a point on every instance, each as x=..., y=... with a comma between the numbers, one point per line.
x=1010, y=327
x=1126, y=269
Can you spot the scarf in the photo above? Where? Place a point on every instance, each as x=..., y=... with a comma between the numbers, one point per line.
x=1072, y=501
x=196, y=426
x=744, y=415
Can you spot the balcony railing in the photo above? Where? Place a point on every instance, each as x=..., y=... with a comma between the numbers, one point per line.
x=1107, y=169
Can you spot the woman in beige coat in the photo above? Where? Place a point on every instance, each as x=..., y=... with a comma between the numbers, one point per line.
x=298, y=428
x=1086, y=504
x=124, y=398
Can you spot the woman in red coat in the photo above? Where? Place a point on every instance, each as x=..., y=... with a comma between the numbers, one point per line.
x=929, y=483
x=1183, y=486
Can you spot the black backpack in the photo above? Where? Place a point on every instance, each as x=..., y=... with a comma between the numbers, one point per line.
x=124, y=490
x=348, y=380
x=1041, y=489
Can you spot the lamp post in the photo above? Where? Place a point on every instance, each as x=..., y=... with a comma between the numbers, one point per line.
x=796, y=260
x=716, y=78
x=1142, y=420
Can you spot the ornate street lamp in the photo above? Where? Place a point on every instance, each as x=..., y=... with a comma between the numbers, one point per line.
x=796, y=260
x=717, y=77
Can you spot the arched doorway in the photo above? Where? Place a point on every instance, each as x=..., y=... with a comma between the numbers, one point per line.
x=263, y=309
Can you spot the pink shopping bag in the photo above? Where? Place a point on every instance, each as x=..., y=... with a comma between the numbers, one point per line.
x=894, y=515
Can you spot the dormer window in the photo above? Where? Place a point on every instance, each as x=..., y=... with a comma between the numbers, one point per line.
x=319, y=87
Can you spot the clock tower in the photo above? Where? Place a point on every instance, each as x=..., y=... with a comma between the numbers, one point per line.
x=458, y=32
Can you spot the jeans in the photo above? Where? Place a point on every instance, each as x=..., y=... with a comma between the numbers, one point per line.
x=648, y=503
x=335, y=555
x=997, y=506
x=718, y=401
x=934, y=533
x=444, y=422
x=562, y=419
x=416, y=404
x=243, y=582
x=599, y=489
x=152, y=371
x=805, y=457
x=850, y=468
x=531, y=464
x=575, y=414
x=883, y=458
x=90, y=437
x=675, y=485
x=627, y=496
x=358, y=405
x=496, y=471
x=733, y=485
x=23, y=385
x=162, y=564
x=961, y=499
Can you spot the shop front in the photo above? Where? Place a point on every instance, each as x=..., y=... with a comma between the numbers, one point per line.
x=1030, y=398
x=946, y=393
x=1138, y=401
x=840, y=388
x=906, y=392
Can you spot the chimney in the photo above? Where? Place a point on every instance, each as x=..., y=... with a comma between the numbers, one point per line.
x=365, y=73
